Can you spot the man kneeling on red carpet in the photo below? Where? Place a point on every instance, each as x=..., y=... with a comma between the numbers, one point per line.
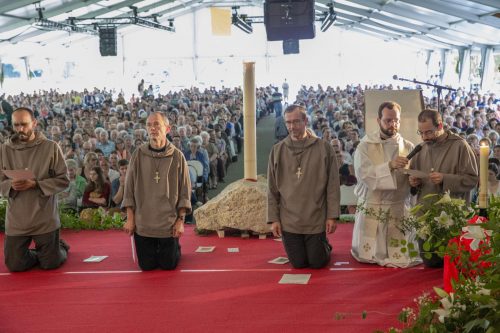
x=304, y=192
x=32, y=213
x=157, y=197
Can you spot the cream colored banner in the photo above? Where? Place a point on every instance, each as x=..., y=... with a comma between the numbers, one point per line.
x=221, y=21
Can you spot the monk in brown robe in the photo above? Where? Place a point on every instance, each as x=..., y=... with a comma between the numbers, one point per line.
x=304, y=192
x=32, y=213
x=448, y=160
x=157, y=196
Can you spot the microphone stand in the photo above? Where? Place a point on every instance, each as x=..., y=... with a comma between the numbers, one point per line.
x=438, y=87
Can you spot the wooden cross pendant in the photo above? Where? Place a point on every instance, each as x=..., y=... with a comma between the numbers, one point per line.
x=299, y=172
x=157, y=177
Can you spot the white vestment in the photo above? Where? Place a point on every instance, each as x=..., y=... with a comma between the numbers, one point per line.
x=379, y=188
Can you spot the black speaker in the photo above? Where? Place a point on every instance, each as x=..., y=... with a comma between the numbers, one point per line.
x=292, y=19
x=291, y=46
x=107, y=41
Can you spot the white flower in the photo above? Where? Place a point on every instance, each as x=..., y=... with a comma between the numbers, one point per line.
x=444, y=199
x=444, y=219
x=449, y=308
x=476, y=233
x=445, y=311
x=424, y=232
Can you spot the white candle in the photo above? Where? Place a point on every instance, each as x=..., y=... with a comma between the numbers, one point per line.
x=484, y=153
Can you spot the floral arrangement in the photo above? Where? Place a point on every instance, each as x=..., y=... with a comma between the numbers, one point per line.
x=473, y=303
x=436, y=220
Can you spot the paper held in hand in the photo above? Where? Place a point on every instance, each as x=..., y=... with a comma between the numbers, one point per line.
x=19, y=174
x=205, y=249
x=415, y=173
x=279, y=261
x=295, y=279
x=95, y=259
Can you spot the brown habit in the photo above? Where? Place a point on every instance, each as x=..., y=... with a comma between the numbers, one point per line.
x=34, y=211
x=156, y=204
x=455, y=159
x=302, y=204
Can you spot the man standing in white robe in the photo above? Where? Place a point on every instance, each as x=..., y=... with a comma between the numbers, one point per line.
x=378, y=162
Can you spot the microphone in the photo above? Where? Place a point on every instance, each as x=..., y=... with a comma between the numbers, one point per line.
x=394, y=77
x=414, y=152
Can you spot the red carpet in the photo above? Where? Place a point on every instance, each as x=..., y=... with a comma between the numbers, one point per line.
x=209, y=292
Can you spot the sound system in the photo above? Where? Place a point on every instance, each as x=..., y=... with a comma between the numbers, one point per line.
x=107, y=41
x=292, y=19
x=291, y=46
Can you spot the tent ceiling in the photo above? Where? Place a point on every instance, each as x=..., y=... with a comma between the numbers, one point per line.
x=425, y=24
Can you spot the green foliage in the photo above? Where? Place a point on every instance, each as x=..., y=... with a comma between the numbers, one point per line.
x=474, y=306
x=436, y=220
x=100, y=220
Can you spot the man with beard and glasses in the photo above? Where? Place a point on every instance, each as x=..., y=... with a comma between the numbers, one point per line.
x=32, y=213
x=378, y=162
x=446, y=157
x=303, y=163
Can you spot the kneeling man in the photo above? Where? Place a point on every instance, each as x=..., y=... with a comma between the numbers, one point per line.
x=157, y=196
x=303, y=193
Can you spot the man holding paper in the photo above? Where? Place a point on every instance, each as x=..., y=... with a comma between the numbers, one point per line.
x=446, y=158
x=379, y=163
x=32, y=172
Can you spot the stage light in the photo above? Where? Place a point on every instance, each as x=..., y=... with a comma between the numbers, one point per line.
x=241, y=21
x=329, y=19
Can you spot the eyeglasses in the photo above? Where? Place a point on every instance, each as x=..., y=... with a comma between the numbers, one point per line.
x=426, y=133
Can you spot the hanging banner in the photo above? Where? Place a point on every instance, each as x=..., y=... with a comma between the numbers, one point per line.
x=221, y=21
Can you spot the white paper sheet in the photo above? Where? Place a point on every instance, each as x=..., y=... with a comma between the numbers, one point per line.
x=415, y=173
x=19, y=174
x=205, y=249
x=279, y=261
x=95, y=259
x=295, y=279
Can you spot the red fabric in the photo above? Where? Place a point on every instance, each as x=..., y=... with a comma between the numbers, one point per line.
x=246, y=299
x=452, y=267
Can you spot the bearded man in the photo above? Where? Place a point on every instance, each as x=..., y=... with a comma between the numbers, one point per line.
x=378, y=164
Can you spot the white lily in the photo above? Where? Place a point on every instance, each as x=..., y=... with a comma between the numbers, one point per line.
x=476, y=233
x=444, y=219
x=445, y=311
x=444, y=199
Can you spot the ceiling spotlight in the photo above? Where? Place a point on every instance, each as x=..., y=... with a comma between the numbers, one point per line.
x=241, y=21
x=330, y=17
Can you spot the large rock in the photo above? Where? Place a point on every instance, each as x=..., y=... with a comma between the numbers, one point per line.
x=241, y=205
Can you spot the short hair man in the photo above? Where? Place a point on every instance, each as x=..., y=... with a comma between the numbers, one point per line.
x=446, y=157
x=32, y=150
x=378, y=162
x=157, y=197
x=303, y=164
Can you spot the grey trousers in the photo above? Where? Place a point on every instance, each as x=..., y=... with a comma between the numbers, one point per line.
x=48, y=252
x=307, y=250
